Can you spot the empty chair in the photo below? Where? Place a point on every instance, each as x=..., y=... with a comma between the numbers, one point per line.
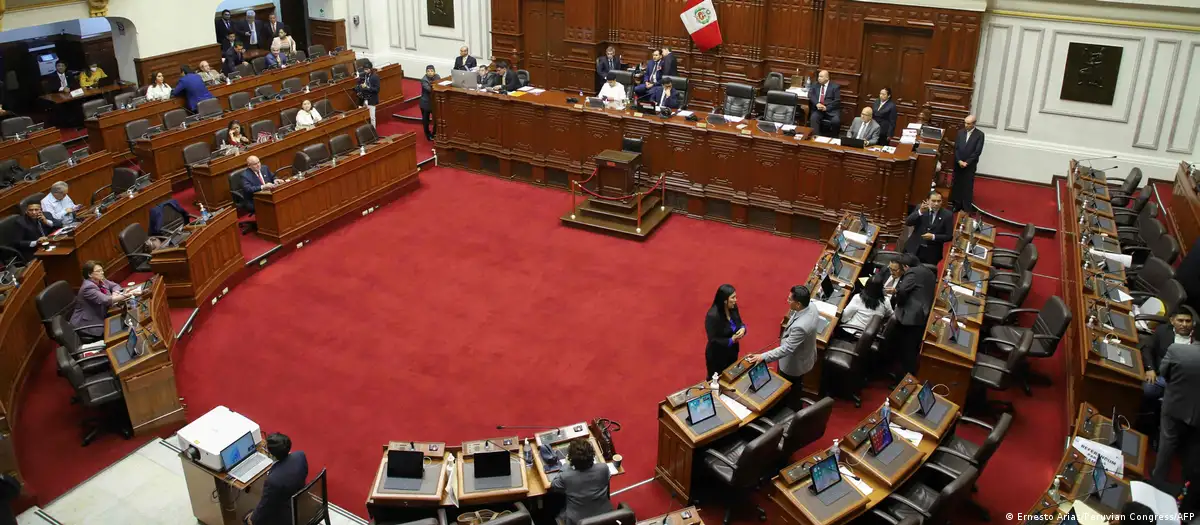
x=523, y=77
x=311, y=504
x=53, y=154
x=123, y=100
x=320, y=75
x=260, y=64
x=1047, y=330
x=133, y=243
x=844, y=359
x=245, y=69
x=261, y=126
x=293, y=85
x=739, y=465
x=1152, y=277
x=316, y=50
x=1007, y=258
x=287, y=117
x=365, y=134
x=135, y=129
x=1002, y=282
x=998, y=373
x=956, y=453
x=1121, y=195
x=239, y=100
x=324, y=107
x=1165, y=247
x=1136, y=210
x=96, y=391
x=57, y=298
x=317, y=153
x=209, y=107
x=995, y=310
x=301, y=162
x=773, y=82
x=339, y=71
x=299, y=56
x=265, y=91
x=931, y=496
x=680, y=84
x=220, y=138
x=15, y=125
x=1146, y=230
x=632, y=144
x=141, y=91
x=91, y=107
x=622, y=515
x=123, y=179
x=67, y=337
x=341, y=144
x=804, y=428
x=781, y=107
x=195, y=152
x=174, y=118
x=739, y=100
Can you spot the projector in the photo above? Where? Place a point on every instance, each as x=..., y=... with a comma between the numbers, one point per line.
x=217, y=437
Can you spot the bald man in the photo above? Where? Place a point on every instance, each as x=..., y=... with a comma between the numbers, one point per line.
x=967, y=149
x=825, y=103
x=464, y=61
x=256, y=178
x=865, y=127
x=208, y=74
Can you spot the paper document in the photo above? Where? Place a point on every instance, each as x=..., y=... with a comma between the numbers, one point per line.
x=1123, y=297
x=788, y=127
x=445, y=83
x=858, y=482
x=1119, y=258
x=836, y=142
x=612, y=469
x=1160, y=502
x=961, y=290
x=734, y=120
x=450, y=468
x=826, y=308
x=1112, y=459
x=525, y=88
x=913, y=125
x=908, y=139
x=685, y=113
x=855, y=237
x=912, y=437
x=738, y=409
x=98, y=345
x=822, y=140
x=798, y=90
x=741, y=126
x=889, y=149
x=538, y=91
x=1085, y=514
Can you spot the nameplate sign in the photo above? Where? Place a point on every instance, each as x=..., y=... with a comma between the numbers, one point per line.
x=638, y=115
x=746, y=132
x=578, y=106
x=701, y=124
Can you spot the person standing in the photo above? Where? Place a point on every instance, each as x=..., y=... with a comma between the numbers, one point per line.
x=234, y=57
x=426, y=102
x=724, y=329
x=825, y=103
x=797, y=350
x=1154, y=349
x=191, y=87
x=273, y=25
x=464, y=61
x=932, y=227
x=368, y=89
x=967, y=149
x=286, y=477
x=1180, y=368
x=670, y=64
x=912, y=302
x=885, y=115
x=609, y=62
x=584, y=483
x=225, y=27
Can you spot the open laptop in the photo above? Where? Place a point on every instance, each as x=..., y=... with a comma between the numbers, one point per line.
x=405, y=470
x=702, y=413
x=852, y=142
x=493, y=470
x=827, y=483
x=881, y=443
x=464, y=79
x=242, y=459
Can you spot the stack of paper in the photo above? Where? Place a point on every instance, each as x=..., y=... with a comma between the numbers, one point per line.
x=908, y=435
x=962, y=290
x=787, y=127
x=445, y=82
x=538, y=91
x=738, y=409
x=741, y=126
x=822, y=140
x=1120, y=258
x=734, y=120
x=685, y=113
x=826, y=308
x=798, y=91
x=855, y=237
x=525, y=88
x=913, y=125
x=1160, y=502
x=858, y=482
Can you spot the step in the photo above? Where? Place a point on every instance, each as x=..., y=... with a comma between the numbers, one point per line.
x=620, y=228
x=599, y=208
x=627, y=207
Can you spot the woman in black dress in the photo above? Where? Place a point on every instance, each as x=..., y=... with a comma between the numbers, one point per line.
x=724, y=328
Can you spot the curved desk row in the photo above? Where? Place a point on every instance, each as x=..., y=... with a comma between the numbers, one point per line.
x=87, y=175
x=25, y=150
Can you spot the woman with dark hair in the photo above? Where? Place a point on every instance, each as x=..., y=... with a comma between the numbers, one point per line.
x=885, y=115
x=96, y=294
x=585, y=484
x=868, y=303
x=724, y=327
x=235, y=136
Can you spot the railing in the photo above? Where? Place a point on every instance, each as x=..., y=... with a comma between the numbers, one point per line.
x=660, y=185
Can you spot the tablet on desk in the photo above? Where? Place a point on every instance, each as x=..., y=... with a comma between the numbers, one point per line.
x=759, y=376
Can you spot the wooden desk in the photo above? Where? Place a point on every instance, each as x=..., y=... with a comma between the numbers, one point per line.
x=391, y=85
x=288, y=212
x=162, y=154
x=21, y=348
x=675, y=518
x=1096, y=426
x=85, y=177
x=1185, y=208
x=949, y=362
x=25, y=150
x=198, y=266
x=148, y=383
x=96, y=238
x=107, y=131
x=747, y=177
x=218, y=499
x=212, y=178
x=152, y=310
x=88, y=93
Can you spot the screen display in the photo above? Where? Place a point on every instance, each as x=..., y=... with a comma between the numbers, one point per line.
x=701, y=408
x=825, y=474
x=405, y=464
x=239, y=450
x=492, y=464
x=759, y=376
x=926, y=399
x=836, y=264
x=1099, y=480
x=881, y=437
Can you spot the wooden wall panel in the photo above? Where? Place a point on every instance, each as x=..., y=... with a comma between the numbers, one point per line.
x=169, y=63
x=330, y=33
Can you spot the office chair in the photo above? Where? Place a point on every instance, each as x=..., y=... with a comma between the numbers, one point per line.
x=341, y=144
x=259, y=64
x=739, y=100
x=1158, y=308
x=123, y=179
x=1047, y=331
x=631, y=144
x=339, y=71
x=956, y=453
x=261, y=126
x=172, y=219
x=995, y=310
x=1001, y=283
x=98, y=391
x=133, y=243
x=804, y=429
x=195, y=153
x=293, y=85
x=56, y=299
x=680, y=84
x=174, y=118
x=316, y=50
x=91, y=107
x=317, y=153
x=246, y=69
x=998, y=373
x=625, y=78
x=880, y=256
x=321, y=76
x=324, y=107
x=265, y=90
x=1152, y=277
x=298, y=56
x=1145, y=231
x=287, y=117
x=1121, y=193
x=242, y=202
x=740, y=465
x=53, y=154
x=8, y=230
x=301, y=162
x=220, y=137
x=135, y=130
x=844, y=359
x=781, y=107
x=141, y=91
x=1164, y=247
x=15, y=125
x=239, y=100
x=361, y=63
x=68, y=339
x=210, y=107
x=365, y=134
x=123, y=100
x=622, y=515
x=773, y=82
x=523, y=77
x=311, y=504
x=1005, y=258
x=927, y=503
x=1136, y=210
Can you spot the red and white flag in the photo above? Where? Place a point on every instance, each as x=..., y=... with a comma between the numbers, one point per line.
x=700, y=19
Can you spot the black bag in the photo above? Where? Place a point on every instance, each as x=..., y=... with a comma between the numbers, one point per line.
x=603, y=428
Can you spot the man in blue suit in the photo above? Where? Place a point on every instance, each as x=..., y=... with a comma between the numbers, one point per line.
x=665, y=95
x=256, y=178
x=191, y=87
x=287, y=477
x=275, y=58
x=825, y=103
x=652, y=76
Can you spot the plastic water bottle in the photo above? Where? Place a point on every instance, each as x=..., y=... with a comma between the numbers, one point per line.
x=1053, y=492
x=131, y=192
x=204, y=215
x=528, y=453
x=362, y=150
x=71, y=160
x=715, y=384
x=886, y=411
x=837, y=451
x=228, y=82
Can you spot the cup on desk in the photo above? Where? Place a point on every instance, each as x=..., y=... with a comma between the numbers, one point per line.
x=616, y=460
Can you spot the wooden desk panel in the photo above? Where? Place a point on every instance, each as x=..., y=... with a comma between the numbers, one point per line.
x=289, y=212
x=86, y=176
x=26, y=149
x=1185, y=208
x=196, y=269
x=743, y=176
x=391, y=85
x=88, y=93
x=96, y=238
x=21, y=336
x=212, y=179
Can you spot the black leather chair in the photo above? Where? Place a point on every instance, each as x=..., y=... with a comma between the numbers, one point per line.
x=245, y=70
x=781, y=107
x=361, y=63
x=174, y=118
x=68, y=339
x=287, y=117
x=324, y=107
x=804, y=428
x=339, y=71
x=1007, y=258
x=261, y=126
x=220, y=137
x=523, y=77
x=739, y=100
x=773, y=82
x=135, y=130
x=1121, y=193
x=53, y=154
x=133, y=242
x=995, y=310
x=316, y=50
x=1152, y=277
x=8, y=230
x=625, y=78
x=15, y=125
x=91, y=107
x=301, y=162
x=242, y=201
x=56, y=299
x=1141, y=206
x=30, y=199
x=123, y=179
x=209, y=108
x=293, y=85
x=998, y=373
x=622, y=515
x=1143, y=233
x=98, y=391
x=341, y=144
x=311, y=504
x=1001, y=283
x=632, y=144
x=260, y=65
x=265, y=90
x=739, y=465
x=317, y=153
x=123, y=100
x=928, y=497
x=680, y=84
x=843, y=361
x=1164, y=247
x=1047, y=329
x=194, y=153
x=321, y=76
x=365, y=134
x=956, y=453
x=298, y=56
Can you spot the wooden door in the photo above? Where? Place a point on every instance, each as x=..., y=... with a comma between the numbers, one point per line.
x=536, y=50
x=556, y=22
x=895, y=57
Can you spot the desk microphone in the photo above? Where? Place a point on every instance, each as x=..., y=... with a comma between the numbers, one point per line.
x=529, y=427
x=1095, y=158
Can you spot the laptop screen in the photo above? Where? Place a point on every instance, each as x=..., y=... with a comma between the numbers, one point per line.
x=701, y=408
x=237, y=451
x=405, y=464
x=881, y=437
x=759, y=376
x=825, y=474
x=492, y=464
x=826, y=287
x=835, y=264
x=926, y=399
x=1099, y=480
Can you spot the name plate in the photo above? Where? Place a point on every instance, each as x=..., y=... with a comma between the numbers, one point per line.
x=701, y=124
x=639, y=115
x=578, y=106
x=746, y=132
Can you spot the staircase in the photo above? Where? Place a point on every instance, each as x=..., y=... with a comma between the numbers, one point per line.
x=619, y=218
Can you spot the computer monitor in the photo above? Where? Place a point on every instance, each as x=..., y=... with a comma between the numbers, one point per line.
x=824, y=474
x=841, y=241
x=237, y=451
x=406, y=464
x=492, y=464
x=464, y=79
x=701, y=408
x=1099, y=479
x=881, y=437
x=759, y=376
x=925, y=399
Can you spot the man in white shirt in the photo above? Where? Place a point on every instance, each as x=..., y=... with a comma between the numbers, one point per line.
x=64, y=82
x=57, y=203
x=613, y=92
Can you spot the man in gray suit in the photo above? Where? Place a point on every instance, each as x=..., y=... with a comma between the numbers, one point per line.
x=1180, y=368
x=868, y=132
x=584, y=483
x=912, y=302
x=797, y=350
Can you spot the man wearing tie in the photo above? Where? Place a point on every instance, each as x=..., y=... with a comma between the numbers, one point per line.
x=865, y=128
x=932, y=227
x=255, y=179
x=62, y=81
x=273, y=25
x=464, y=61
x=670, y=66
x=664, y=96
x=885, y=115
x=825, y=103
x=225, y=26
x=609, y=62
x=506, y=79
x=254, y=32
x=653, y=75
x=967, y=149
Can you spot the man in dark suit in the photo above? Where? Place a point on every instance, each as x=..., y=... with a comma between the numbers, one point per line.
x=609, y=62
x=33, y=227
x=256, y=178
x=885, y=115
x=234, y=57
x=665, y=96
x=670, y=64
x=287, y=477
x=1180, y=368
x=464, y=61
x=1154, y=349
x=227, y=43
x=224, y=26
x=254, y=32
x=651, y=76
x=825, y=103
x=932, y=227
x=368, y=89
x=62, y=81
x=967, y=149
x=912, y=302
x=506, y=79
x=273, y=25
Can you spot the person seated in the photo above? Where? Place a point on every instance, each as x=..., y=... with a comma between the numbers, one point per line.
x=613, y=93
x=486, y=77
x=234, y=57
x=584, y=484
x=652, y=76
x=57, y=204
x=464, y=61
x=307, y=117
x=287, y=477
x=664, y=96
x=256, y=178
x=227, y=42
x=208, y=74
x=191, y=87
x=96, y=295
x=1154, y=348
x=61, y=82
x=864, y=127
x=235, y=135
x=283, y=42
x=868, y=303
x=92, y=77
x=276, y=58
x=33, y=228
x=160, y=89
x=505, y=79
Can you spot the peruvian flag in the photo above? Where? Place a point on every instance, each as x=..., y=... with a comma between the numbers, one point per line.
x=700, y=19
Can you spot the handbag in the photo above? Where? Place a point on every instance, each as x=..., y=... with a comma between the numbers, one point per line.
x=480, y=516
x=603, y=428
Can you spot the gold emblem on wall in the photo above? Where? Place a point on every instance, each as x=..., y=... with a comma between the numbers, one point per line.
x=441, y=12
x=98, y=8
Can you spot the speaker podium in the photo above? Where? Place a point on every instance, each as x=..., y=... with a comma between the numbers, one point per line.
x=614, y=204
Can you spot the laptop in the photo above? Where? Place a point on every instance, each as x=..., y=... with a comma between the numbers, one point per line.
x=927, y=405
x=493, y=470
x=702, y=412
x=405, y=470
x=826, y=287
x=852, y=142
x=881, y=441
x=242, y=459
x=759, y=376
x=464, y=79
x=827, y=483
x=595, y=102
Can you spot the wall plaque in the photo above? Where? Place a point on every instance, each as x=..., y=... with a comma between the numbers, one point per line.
x=1091, y=74
x=441, y=12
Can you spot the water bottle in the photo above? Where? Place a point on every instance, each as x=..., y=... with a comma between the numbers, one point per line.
x=528, y=453
x=71, y=160
x=886, y=411
x=362, y=150
x=228, y=82
x=97, y=212
x=1053, y=492
x=715, y=384
x=131, y=192
x=837, y=451
x=204, y=215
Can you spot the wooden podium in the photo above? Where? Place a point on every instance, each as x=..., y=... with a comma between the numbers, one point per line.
x=615, y=204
